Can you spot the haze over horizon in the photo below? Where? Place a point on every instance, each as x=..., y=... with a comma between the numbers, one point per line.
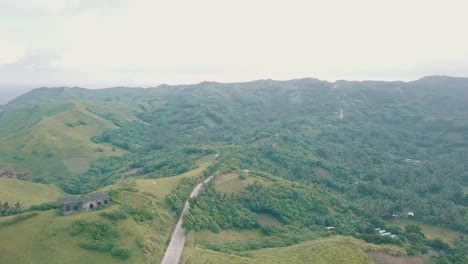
x=147, y=43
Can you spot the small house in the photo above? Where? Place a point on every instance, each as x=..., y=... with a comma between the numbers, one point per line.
x=83, y=204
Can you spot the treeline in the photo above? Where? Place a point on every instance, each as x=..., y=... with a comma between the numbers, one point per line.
x=7, y=209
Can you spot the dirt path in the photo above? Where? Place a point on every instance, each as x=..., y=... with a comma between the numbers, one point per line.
x=176, y=246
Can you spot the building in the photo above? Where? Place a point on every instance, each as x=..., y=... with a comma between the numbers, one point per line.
x=83, y=204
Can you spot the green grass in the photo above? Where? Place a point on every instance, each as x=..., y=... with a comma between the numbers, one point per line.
x=28, y=193
x=268, y=220
x=45, y=238
x=225, y=236
x=327, y=250
x=41, y=140
x=35, y=239
x=430, y=231
x=163, y=186
x=232, y=182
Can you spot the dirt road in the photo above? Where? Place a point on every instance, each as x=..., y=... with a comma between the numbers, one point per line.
x=176, y=246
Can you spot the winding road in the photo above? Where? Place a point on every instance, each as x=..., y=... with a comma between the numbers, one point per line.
x=176, y=246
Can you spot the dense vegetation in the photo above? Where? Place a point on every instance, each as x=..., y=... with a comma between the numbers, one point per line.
x=399, y=147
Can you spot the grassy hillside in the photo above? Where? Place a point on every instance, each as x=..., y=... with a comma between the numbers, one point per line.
x=163, y=186
x=327, y=250
x=47, y=234
x=28, y=193
x=36, y=239
x=54, y=141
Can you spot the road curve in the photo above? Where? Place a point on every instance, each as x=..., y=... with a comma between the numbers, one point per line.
x=176, y=246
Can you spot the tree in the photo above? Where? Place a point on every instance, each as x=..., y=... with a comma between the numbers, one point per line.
x=5, y=208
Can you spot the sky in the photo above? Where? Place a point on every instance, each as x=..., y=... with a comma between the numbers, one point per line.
x=106, y=43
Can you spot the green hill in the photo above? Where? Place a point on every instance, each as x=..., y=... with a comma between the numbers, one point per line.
x=28, y=193
x=300, y=155
x=53, y=141
x=328, y=250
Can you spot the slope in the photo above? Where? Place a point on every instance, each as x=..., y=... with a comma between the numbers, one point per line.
x=138, y=214
x=326, y=250
x=27, y=193
x=53, y=141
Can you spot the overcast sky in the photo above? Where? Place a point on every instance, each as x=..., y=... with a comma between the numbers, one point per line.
x=106, y=43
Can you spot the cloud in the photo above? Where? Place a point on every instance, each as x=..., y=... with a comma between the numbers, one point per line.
x=36, y=5
x=146, y=42
x=10, y=52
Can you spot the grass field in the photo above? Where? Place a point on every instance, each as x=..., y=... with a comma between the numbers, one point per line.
x=328, y=250
x=27, y=193
x=225, y=236
x=163, y=186
x=233, y=182
x=430, y=231
x=268, y=220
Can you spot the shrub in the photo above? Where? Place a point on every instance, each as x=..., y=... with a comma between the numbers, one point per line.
x=96, y=230
x=437, y=244
x=115, y=215
x=17, y=219
x=114, y=194
x=121, y=252
x=139, y=214
x=100, y=246
x=140, y=242
x=44, y=206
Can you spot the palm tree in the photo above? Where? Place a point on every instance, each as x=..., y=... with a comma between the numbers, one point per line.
x=17, y=208
x=5, y=208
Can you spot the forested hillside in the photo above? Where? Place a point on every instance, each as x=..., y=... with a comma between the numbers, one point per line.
x=353, y=155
